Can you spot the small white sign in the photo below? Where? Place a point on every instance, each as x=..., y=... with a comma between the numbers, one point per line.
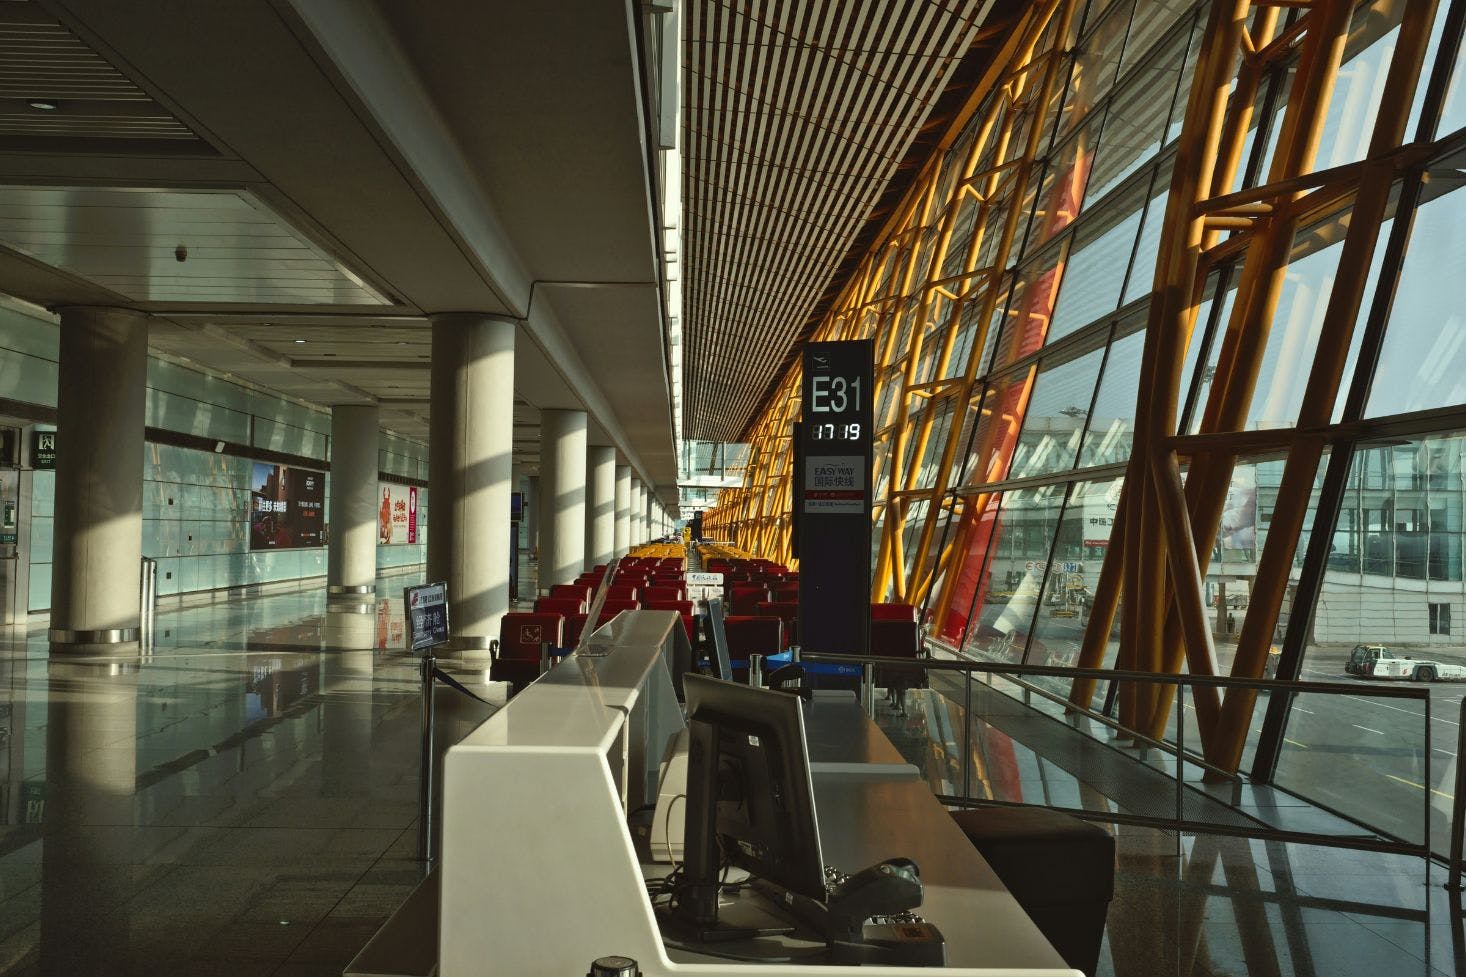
x=834, y=484
x=697, y=579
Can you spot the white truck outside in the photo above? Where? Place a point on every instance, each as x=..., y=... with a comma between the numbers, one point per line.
x=1391, y=666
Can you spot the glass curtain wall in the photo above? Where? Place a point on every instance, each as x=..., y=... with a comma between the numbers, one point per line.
x=1009, y=302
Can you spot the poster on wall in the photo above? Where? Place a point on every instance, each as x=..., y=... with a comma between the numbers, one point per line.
x=397, y=514
x=286, y=506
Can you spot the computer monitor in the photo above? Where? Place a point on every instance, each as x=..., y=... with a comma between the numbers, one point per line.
x=721, y=659
x=750, y=797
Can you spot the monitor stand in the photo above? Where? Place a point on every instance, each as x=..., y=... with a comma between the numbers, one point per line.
x=688, y=931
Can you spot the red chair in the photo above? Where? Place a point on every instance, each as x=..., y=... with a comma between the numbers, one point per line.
x=573, y=591
x=749, y=635
x=622, y=592
x=744, y=598
x=520, y=638
x=574, y=625
x=785, y=592
x=661, y=592
x=613, y=606
x=559, y=605
x=683, y=609
x=893, y=612
x=786, y=611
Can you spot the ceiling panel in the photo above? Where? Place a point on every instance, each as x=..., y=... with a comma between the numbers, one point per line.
x=128, y=240
x=796, y=114
x=53, y=88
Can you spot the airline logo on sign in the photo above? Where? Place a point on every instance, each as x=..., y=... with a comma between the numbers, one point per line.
x=834, y=483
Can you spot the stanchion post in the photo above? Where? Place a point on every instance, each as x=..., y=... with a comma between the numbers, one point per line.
x=425, y=825
x=756, y=671
x=148, y=595
x=544, y=657
x=966, y=735
x=1458, y=806
x=868, y=688
x=1180, y=698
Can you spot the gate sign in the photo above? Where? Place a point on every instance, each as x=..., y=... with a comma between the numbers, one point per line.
x=427, y=616
x=834, y=483
x=832, y=503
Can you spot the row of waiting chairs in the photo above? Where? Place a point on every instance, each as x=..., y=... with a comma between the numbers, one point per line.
x=559, y=619
x=757, y=623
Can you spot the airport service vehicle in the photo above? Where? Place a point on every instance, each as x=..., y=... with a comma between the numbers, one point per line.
x=1391, y=666
x=1362, y=655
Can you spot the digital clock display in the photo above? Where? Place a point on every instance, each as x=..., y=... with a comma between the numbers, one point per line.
x=849, y=431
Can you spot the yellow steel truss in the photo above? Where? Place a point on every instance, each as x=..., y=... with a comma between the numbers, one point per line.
x=910, y=292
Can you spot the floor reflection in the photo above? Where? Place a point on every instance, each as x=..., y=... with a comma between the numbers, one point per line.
x=1197, y=905
x=240, y=800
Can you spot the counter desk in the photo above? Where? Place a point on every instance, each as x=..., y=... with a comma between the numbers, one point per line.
x=539, y=872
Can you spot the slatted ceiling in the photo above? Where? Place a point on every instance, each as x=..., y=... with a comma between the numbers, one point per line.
x=797, y=113
x=40, y=59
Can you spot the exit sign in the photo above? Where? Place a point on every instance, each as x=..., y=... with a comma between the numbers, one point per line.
x=43, y=450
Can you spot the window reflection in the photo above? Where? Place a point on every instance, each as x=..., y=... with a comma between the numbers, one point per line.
x=1423, y=361
x=1053, y=423
x=1003, y=405
x=1095, y=271
x=1006, y=598
x=1108, y=435
x=1070, y=578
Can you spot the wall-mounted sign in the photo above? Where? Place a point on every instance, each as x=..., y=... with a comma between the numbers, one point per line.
x=43, y=450
x=286, y=506
x=832, y=473
x=397, y=515
x=427, y=616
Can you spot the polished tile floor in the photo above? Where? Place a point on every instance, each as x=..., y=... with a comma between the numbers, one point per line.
x=242, y=801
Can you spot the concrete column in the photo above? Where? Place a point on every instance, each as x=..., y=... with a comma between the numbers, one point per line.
x=562, y=470
x=623, y=508
x=99, y=475
x=638, y=514
x=600, y=508
x=651, y=512
x=351, y=557
x=471, y=436
x=532, y=515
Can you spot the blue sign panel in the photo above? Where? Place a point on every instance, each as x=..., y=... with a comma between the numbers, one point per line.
x=427, y=616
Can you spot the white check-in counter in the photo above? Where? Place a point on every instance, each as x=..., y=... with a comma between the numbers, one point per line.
x=540, y=874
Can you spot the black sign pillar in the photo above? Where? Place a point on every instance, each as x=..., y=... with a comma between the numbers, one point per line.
x=832, y=498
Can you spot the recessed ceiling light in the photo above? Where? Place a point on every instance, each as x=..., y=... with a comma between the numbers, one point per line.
x=43, y=105
x=300, y=340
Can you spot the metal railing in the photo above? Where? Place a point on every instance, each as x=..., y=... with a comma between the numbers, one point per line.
x=1371, y=838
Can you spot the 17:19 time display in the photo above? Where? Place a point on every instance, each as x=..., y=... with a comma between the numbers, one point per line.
x=835, y=432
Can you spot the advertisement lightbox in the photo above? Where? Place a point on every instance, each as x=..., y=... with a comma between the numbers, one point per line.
x=286, y=507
